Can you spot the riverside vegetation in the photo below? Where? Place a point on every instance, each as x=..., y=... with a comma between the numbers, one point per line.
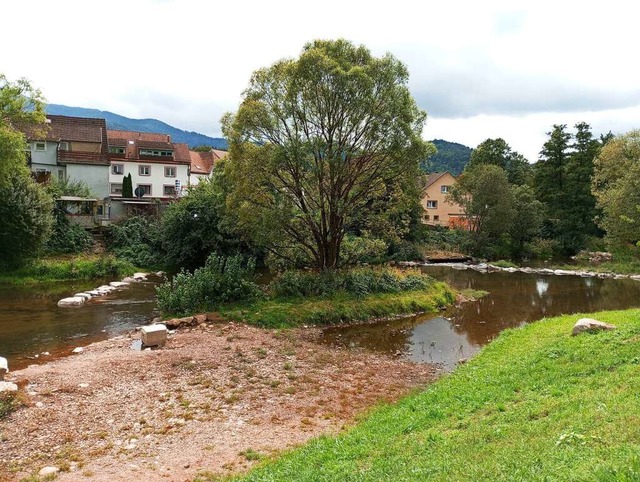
x=535, y=404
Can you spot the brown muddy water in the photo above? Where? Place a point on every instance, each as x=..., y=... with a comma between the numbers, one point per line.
x=31, y=322
x=514, y=299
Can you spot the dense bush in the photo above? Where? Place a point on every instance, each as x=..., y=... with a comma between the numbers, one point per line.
x=67, y=237
x=405, y=251
x=362, y=249
x=221, y=280
x=83, y=267
x=137, y=239
x=358, y=282
x=540, y=248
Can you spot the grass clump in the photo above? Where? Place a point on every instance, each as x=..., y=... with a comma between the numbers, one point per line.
x=9, y=402
x=535, y=404
x=69, y=268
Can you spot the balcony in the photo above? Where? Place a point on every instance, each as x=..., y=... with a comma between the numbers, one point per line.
x=76, y=157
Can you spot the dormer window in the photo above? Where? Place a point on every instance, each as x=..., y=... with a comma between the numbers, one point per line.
x=116, y=150
x=64, y=146
x=156, y=153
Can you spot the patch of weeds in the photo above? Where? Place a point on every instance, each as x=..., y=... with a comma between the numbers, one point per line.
x=251, y=455
x=288, y=366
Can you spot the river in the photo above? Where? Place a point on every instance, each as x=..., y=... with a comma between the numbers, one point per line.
x=31, y=322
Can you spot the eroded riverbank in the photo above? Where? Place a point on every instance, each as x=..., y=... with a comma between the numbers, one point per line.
x=211, y=396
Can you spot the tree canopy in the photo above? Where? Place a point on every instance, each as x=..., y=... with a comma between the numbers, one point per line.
x=318, y=143
x=498, y=153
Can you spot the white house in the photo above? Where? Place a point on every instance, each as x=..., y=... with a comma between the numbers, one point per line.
x=159, y=169
x=203, y=163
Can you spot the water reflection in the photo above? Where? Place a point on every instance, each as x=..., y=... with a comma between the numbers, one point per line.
x=514, y=299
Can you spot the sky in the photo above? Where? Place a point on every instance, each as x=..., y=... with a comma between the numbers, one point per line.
x=489, y=69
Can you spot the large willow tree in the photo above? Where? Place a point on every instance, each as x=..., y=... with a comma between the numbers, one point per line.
x=320, y=145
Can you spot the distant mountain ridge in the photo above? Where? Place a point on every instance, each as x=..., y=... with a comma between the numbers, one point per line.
x=451, y=156
x=119, y=122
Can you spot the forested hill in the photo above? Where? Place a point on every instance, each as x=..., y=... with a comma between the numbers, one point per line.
x=119, y=122
x=451, y=157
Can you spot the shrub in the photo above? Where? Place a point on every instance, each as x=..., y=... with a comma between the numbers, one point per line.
x=541, y=248
x=9, y=402
x=362, y=249
x=221, y=280
x=67, y=237
x=405, y=251
x=137, y=240
x=357, y=281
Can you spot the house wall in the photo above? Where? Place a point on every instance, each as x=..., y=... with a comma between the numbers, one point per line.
x=194, y=179
x=96, y=177
x=444, y=210
x=156, y=179
x=46, y=160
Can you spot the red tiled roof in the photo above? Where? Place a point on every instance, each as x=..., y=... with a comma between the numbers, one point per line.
x=203, y=162
x=433, y=177
x=134, y=141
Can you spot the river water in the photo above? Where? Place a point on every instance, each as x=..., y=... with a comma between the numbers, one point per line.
x=31, y=322
x=513, y=299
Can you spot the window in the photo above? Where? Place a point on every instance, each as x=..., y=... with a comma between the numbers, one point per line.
x=41, y=146
x=432, y=204
x=144, y=170
x=146, y=188
x=116, y=150
x=64, y=146
x=444, y=189
x=155, y=152
x=116, y=189
x=169, y=171
x=427, y=217
x=169, y=190
x=117, y=169
x=436, y=218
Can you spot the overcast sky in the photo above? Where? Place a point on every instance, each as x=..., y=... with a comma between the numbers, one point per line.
x=480, y=69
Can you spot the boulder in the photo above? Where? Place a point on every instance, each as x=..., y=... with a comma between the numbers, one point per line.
x=94, y=293
x=72, y=301
x=181, y=322
x=118, y=284
x=129, y=280
x=86, y=296
x=77, y=350
x=8, y=387
x=591, y=325
x=140, y=276
x=4, y=368
x=154, y=335
x=563, y=272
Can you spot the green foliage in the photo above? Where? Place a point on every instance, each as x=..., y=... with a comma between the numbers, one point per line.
x=67, y=237
x=26, y=217
x=497, y=152
x=221, y=280
x=127, y=186
x=439, y=238
x=527, y=220
x=318, y=147
x=356, y=281
x=541, y=248
x=68, y=187
x=77, y=268
x=136, y=239
x=449, y=156
x=405, y=251
x=363, y=249
x=199, y=224
x=21, y=108
x=535, y=404
x=487, y=198
x=616, y=185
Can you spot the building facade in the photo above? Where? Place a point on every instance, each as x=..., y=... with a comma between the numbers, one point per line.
x=439, y=210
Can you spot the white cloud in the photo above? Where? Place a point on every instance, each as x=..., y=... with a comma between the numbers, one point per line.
x=483, y=69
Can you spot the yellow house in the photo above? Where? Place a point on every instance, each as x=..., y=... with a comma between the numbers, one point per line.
x=438, y=210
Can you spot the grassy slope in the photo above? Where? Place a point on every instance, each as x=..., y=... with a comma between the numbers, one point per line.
x=280, y=313
x=536, y=404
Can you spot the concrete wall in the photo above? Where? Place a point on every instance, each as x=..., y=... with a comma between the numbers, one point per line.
x=48, y=157
x=96, y=177
x=156, y=179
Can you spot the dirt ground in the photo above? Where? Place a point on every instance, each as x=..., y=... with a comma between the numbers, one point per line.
x=214, y=399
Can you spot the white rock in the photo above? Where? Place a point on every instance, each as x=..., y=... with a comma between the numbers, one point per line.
x=39, y=405
x=8, y=387
x=46, y=471
x=94, y=292
x=118, y=284
x=83, y=385
x=86, y=296
x=589, y=324
x=72, y=301
x=563, y=272
x=77, y=350
x=140, y=276
x=106, y=288
x=635, y=277
x=4, y=367
x=154, y=335
x=129, y=280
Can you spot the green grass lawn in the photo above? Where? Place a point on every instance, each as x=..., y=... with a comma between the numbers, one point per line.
x=342, y=308
x=535, y=404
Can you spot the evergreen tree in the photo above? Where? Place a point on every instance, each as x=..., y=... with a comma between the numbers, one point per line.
x=127, y=186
